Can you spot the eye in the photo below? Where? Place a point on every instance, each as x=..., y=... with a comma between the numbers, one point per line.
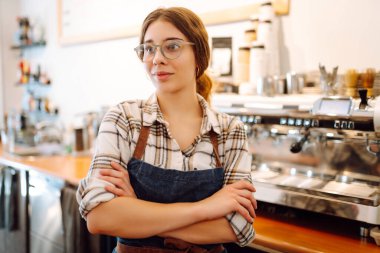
x=172, y=46
x=148, y=49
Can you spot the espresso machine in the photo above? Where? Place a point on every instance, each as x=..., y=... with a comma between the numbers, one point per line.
x=315, y=153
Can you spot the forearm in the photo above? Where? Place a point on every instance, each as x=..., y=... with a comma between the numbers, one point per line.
x=134, y=218
x=205, y=232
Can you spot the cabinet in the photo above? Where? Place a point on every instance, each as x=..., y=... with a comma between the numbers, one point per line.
x=46, y=213
x=13, y=210
x=30, y=212
x=46, y=229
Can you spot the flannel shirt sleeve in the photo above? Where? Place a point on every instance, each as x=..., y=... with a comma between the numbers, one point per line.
x=112, y=138
x=237, y=164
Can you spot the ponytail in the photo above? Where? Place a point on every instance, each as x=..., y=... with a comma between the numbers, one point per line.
x=204, y=86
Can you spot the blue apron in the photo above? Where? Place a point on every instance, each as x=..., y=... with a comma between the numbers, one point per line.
x=159, y=185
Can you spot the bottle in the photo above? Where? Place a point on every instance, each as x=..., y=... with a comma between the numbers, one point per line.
x=242, y=70
x=257, y=63
x=268, y=34
x=249, y=36
x=11, y=132
x=254, y=20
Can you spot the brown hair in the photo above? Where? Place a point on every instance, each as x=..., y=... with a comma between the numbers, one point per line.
x=193, y=28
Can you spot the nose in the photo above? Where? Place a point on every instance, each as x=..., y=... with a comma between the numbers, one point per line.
x=158, y=58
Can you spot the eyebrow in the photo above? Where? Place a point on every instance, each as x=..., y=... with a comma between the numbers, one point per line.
x=170, y=38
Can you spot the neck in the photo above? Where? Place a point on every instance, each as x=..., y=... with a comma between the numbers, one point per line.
x=179, y=105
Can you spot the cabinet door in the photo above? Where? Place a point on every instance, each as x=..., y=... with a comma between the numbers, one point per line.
x=46, y=229
x=2, y=209
x=14, y=211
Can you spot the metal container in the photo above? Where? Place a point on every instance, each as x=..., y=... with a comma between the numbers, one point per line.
x=293, y=85
x=265, y=86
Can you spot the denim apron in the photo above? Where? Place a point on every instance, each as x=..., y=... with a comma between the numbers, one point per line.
x=155, y=184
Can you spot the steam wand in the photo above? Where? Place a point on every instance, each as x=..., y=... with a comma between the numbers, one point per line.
x=296, y=147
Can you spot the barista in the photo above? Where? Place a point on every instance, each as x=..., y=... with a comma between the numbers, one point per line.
x=160, y=164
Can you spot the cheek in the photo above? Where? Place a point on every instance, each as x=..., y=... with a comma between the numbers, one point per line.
x=147, y=68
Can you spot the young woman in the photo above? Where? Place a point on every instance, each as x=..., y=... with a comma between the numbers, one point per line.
x=169, y=173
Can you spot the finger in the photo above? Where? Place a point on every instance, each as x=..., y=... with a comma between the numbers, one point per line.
x=120, y=191
x=123, y=172
x=243, y=184
x=110, y=172
x=113, y=180
x=112, y=189
x=247, y=204
x=131, y=192
x=119, y=181
x=254, y=201
x=245, y=193
x=104, y=172
x=117, y=166
x=244, y=212
x=126, y=176
x=116, y=191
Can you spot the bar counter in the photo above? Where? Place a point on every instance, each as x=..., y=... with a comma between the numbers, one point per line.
x=271, y=235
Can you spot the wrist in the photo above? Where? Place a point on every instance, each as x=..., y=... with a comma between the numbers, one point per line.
x=199, y=211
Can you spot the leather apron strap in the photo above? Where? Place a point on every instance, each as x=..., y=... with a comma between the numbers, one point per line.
x=143, y=139
x=141, y=142
x=214, y=142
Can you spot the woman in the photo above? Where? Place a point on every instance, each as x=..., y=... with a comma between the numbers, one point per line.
x=160, y=164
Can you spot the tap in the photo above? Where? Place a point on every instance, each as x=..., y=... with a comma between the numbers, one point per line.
x=296, y=147
x=373, y=147
x=363, y=99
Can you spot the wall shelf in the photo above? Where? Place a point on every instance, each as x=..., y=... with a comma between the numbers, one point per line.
x=31, y=45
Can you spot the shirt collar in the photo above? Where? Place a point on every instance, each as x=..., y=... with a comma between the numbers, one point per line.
x=151, y=111
x=210, y=120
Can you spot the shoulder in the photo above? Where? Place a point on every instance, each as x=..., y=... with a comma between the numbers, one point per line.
x=126, y=109
x=124, y=114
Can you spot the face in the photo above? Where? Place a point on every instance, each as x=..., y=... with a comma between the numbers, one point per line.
x=170, y=76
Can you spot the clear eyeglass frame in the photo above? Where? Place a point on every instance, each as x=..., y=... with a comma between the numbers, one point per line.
x=170, y=49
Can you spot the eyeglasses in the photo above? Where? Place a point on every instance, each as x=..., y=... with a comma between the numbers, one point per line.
x=170, y=49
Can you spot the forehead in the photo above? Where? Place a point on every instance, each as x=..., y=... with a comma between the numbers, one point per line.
x=161, y=30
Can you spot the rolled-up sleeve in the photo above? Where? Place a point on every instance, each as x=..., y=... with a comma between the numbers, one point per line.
x=111, y=138
x=237, y=164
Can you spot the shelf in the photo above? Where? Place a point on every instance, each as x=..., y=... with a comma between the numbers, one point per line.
x=31, y=45
x=33, y=83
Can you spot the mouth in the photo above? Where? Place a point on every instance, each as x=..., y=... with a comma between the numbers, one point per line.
x=162, y=75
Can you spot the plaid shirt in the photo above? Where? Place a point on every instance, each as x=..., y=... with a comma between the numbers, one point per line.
x=118, y=135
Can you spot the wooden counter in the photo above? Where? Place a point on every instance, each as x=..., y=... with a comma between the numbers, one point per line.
x=286, y=237
x=270, y=233
x=69, y=168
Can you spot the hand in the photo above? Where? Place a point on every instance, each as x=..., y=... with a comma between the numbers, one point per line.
x=119, y=178
x=236, y=197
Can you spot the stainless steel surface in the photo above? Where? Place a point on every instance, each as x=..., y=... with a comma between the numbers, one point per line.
x=364, y=232
x=315, y=157
x=46, y=229
x=32, y=134
x=13, y=238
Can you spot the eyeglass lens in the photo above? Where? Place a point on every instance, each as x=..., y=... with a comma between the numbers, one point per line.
x=170, y=49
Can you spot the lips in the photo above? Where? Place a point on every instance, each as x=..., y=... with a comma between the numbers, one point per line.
x=162, y=75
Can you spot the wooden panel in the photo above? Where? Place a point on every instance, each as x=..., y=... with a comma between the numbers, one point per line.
x=82, y=22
